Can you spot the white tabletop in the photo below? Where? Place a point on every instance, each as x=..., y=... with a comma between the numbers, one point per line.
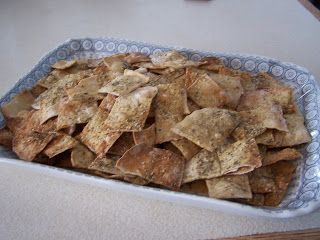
x=37, y=206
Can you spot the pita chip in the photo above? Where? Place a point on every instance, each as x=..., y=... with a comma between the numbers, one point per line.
x=297, y=132
x=211, y=64
x=105, y=165
x=136, y=57
x=63, y=64
x=283, y=172
x=169, y=110
x=31, y=137
x=47, y=81
x=123, y=143
x=147, y=136
x=197, y=187
x=95, y=135
x=171, y=59
x=59, y=144
x=231, y=86
x=208, y=127
x=204, y=165
x=229, y=187
x=153, y=164
x=81, y=157
x=22, y=101
x=130, y=112
x=87, y=88
x=256, y=200
x=6, y=137
x=75, y=111
x=273, y=156
x=205, y=92
x=262, y=180
x=187, y=148
x=125, y=84
x=240, y=157
x=265, y=138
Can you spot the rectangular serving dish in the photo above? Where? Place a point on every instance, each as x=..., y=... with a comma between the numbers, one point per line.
x=303, y=195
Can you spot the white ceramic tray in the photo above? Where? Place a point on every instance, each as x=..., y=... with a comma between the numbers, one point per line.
x=303, y=195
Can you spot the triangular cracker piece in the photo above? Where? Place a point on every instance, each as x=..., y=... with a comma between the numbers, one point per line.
x=81, y=157
x=130, y=112
x=240, y=157
x=63, y=64
x=255, y=99
x=59, y=144
x=208, y=127
x=232, y=87
x=170, y=109
x=147, y=136
x=171, y=59
x=186, y=147
x=262, y=180
x=204, y=165
x=205, y=92
x=154, y=164
x=283, y=172
x=273, y=156
x=75, y=111
x=123, y=143
x=125, y=84
x=106, y=165
x=297, y=133
x=22, y=101
x=229, y=187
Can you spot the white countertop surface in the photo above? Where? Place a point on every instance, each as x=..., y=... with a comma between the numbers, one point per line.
x=36, y=206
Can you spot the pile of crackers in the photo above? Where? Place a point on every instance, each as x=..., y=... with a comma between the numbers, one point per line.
x=162, y=121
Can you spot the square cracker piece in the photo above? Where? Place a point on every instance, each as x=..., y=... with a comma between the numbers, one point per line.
x=130, y=112
x=125, y=84
x=170, y=105
x=153, y=164
x=240, y=157
x=297, y=132
x=229, y=187
x=208, y=127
